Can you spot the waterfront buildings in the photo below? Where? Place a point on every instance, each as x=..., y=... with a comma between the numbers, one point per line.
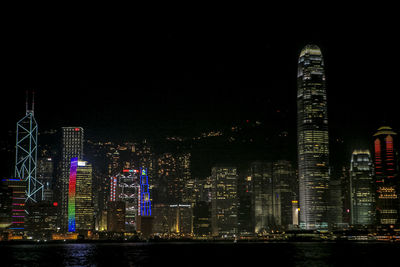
x=13, y=195
x=386, y=176
x=224, y=201
x=312, y=138
x=362, y=193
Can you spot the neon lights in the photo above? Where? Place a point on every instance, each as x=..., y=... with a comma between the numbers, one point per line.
x=71, y=195
x=76, y=129
x=144, y=195
x=55, y=204
x=126, y=170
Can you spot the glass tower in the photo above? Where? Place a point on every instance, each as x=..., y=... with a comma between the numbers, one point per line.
x=224, y=201
x=362, y=193
x=84, y=211
x=312, y=138
x=26, y=154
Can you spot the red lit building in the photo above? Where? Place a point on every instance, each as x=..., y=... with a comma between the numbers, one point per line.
x=386, y=176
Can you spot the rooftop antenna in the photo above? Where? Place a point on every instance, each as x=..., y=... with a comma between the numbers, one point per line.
x=26, y=102
x=33, y=101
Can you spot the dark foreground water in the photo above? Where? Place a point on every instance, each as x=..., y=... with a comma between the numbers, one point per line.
x=201, y=254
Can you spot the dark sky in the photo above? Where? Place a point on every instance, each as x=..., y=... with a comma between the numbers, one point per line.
x=122, y=79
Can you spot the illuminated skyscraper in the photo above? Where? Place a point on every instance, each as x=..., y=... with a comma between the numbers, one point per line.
x=80, y=197
x=312, y=138
x=362, y=193
x=72, y=146
x=262, y=198
x=26, y=154
x=224, y=201
x=84, y=210
x=386, y=176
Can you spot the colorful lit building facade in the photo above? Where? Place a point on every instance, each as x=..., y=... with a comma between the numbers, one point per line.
x=14, y=204
x=72, y=195
x=386, y=176
x=312, y=139
x=80, y=199
x=362, y=193
x=72, y=147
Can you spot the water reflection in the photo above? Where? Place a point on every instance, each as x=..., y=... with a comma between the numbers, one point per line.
x=199, y=254
x=79, y=254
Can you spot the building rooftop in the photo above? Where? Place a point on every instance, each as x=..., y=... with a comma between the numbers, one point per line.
x=385, y=130
x=311, y=49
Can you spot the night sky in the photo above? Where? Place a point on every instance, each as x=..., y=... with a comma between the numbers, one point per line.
x=122, y=80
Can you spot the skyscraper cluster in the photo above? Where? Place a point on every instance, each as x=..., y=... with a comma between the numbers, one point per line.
x=130, y=190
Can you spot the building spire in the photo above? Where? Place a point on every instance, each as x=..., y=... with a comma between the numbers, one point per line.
x=33, y=101
x=26, y=102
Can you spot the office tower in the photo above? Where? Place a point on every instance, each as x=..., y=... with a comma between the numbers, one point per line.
x=312, y=139
x=270, y=189
x=224, y=201
x=336, y=214
x=167, y=189
x=84, y=210
x=245, y=197
x=72, y=195
x=72, y=147
x=13, y=193
x=26, y=154
x=181, y=219
x=45, y=168
x=144, y=204
x=202, y=219
x=386, y=176
x=184, y=176
x=362, y=193
x=116, y=216
x=125, y=187
x=42, y=219
x=284, y=179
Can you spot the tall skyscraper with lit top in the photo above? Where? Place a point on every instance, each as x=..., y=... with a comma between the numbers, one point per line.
x=312, y=138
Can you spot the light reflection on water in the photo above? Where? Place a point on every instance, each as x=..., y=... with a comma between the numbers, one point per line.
x=198, y=254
